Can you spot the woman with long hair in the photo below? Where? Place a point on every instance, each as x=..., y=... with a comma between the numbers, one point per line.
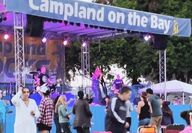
x=63, y=114
x=56, y=116
x=143, y=110
x=167, y=114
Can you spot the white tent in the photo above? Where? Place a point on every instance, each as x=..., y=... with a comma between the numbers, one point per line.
x=170, y=86
x=173, y=86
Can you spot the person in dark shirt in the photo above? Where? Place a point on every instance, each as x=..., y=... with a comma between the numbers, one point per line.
x=83, y=115
x=43, y=76
x=143, y=110
x=116, y=113
x=167, y=114
x=96, y=86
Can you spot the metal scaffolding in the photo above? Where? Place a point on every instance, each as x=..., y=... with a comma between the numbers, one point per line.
x=85, y=67
x=19, y=50
x=162, y=70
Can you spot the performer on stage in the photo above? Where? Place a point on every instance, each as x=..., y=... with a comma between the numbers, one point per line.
x=95, y=85
x=36, y=82
x=43, y=77
x=117, y=84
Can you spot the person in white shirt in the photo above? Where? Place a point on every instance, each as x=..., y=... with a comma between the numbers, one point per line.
x=26, y=112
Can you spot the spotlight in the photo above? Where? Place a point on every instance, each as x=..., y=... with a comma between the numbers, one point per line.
x=65, y=42
x=84, y=44
x=147, y=37
x=6, y=36
x=44, y=40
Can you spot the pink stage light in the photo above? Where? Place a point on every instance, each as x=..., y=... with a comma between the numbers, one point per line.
x=44, y=39
x=6, y=36
x=84, y=44
x=65, y=42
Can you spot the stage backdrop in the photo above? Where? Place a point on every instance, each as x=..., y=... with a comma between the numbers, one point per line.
x=36, y=55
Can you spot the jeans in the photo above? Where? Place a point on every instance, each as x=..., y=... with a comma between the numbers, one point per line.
x=65, y=127
x=144, y=122
x=82, y=130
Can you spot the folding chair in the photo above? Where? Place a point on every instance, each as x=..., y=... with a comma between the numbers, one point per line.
x=174, y=128
x=147, y=129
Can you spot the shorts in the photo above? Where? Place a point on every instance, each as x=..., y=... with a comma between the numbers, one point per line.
x=41, y=126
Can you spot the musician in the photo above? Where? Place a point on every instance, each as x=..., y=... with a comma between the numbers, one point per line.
x=43, y=77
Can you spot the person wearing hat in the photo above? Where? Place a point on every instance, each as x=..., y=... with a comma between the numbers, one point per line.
x=26, y=112
x=81, y=110
x=44, y=122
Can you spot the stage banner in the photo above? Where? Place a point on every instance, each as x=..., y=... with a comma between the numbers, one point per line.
x=36, y=55
x=103, y=15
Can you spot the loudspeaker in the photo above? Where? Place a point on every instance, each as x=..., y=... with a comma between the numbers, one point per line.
x=159, y=42
x=34, y=26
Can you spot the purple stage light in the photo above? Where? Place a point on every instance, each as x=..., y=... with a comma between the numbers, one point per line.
x=44, y=39
x=6, y=36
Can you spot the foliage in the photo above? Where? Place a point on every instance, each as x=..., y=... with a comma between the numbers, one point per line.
x=134, y=55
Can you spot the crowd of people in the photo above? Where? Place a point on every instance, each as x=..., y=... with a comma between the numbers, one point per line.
x=32, y=117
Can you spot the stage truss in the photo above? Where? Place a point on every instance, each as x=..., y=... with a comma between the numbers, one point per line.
x=162, y=70
x=19, y=50
x=85, y=67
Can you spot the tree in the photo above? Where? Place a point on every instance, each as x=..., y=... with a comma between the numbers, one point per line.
x=138, y=58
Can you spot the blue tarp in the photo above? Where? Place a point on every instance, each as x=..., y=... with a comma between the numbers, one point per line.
x=103, y=15
x=99, y=115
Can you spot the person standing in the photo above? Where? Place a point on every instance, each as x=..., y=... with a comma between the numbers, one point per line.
x=167, y=114
x=26, y=112
x=46, y=108
x=116, y=115
x=117, y=84
x=96, y=86
x=156, y=112
x=143, y=110
x=64, y=115
x=129, y=109
x=56, y=115
x=82, y=121
x=2, y=112
x=43, y=77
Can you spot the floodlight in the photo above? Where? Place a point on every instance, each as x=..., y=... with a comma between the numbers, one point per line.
x=84, y=44
x=44, y=40
x=65, y=42
x=6, y=36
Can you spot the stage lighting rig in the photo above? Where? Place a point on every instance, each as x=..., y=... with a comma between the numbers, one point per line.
x=156, y=41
